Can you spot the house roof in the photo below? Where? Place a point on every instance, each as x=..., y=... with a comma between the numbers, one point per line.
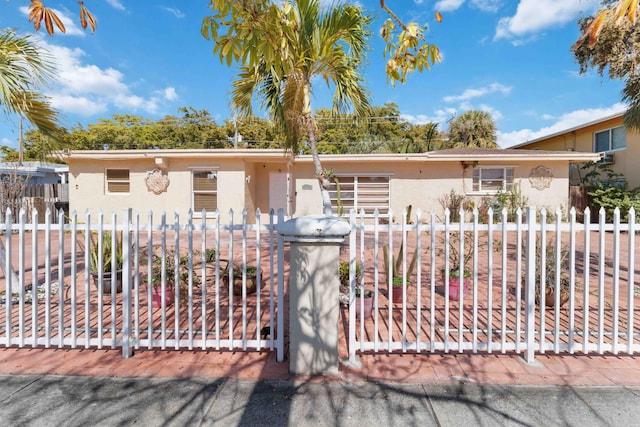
x=458, y=154
x=562, y=132
x=38, y=172
x=255, y=154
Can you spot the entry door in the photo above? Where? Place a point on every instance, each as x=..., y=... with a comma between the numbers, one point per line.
x=278, y=191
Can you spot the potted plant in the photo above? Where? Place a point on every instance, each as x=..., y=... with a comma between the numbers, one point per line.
x=550, y=274
x=456, y=260
x=396, y=272
x=101, y=261
x=344, y=289
x=236, y=273
x=170, y=269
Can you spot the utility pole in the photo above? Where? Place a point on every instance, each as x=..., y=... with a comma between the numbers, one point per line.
x=20, y=146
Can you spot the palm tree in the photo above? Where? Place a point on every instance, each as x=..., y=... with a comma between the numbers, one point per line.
x=470, y=129
x=24, y=66
x=325, y=43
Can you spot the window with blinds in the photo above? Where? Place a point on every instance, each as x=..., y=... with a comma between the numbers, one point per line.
x=205, y=191
x=492, y=180
x=117, y=180
x=361, y=192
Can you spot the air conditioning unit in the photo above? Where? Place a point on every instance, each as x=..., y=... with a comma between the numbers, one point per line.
x=607, y=159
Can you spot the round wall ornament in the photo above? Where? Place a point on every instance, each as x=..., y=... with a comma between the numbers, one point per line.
x=540, y=177
x=156, y=182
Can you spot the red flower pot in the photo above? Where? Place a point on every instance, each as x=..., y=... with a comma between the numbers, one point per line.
x=156, y=297
x=454, y=287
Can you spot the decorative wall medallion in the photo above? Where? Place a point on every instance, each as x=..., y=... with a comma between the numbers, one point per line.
x=156, y=182
x=540, y=178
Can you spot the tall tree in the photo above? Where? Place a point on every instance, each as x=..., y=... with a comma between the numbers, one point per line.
x=40, y=14
x=616, y=53
x=24, y=68
x=249, y=35
x=473, y=128
x=613, y=11
x=313, y=43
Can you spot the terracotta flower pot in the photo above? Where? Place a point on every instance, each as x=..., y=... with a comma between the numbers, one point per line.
x=368, y=307
x=398, y=293
x=156, y=296
x=454, y=287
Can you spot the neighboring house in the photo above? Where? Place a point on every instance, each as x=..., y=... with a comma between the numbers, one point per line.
x=619, y=147
x=46, y=185
x=180, y=180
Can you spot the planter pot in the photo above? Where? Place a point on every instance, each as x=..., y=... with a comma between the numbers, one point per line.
x=156, y=296
x=398, y=293
x=368, y=307
x=237, y=284
x=454, y=287
x=107, y=280
x=550, y=296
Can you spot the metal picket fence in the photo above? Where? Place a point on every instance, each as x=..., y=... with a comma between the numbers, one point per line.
x=535, y=285
x=230, y=293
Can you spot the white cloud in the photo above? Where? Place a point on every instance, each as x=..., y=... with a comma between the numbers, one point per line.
x=86, y=89
x=170, y=94
x=439, y=116
x=452, y=5
x=477, y=92
x=78, y=105
x=175, y=12
x=487, y=5
x=116, y=4
x=566, y=121
x=448, y=5
x=71, y=28
x=533, y=16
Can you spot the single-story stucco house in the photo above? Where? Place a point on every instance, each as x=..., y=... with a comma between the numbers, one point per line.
x=619, y=146
x=180, y=180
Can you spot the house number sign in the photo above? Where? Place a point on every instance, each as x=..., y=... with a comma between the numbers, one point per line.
x=156, y=182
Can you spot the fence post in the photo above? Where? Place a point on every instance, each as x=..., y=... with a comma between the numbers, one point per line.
x=127, y=349
x=313, y=292
x=530, y=285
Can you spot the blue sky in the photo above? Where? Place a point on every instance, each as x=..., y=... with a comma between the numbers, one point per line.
x=510, y=58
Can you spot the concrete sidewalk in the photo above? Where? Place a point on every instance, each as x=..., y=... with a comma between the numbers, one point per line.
x=100, y=401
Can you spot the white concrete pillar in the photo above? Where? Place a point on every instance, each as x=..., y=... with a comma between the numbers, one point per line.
x=313, y=292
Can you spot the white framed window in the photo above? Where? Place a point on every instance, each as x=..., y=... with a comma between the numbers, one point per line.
x=492, y=179
x=610, y=140
x=117, y=181
x=204, y=191
x=368, y=192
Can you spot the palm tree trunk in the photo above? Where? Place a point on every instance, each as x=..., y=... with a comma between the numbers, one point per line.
x=322, y=179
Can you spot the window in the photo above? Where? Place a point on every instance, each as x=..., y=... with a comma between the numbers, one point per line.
x=361, y=192
x=492, y=180
x=117, y=180
x=205, y=191
x=610, y=139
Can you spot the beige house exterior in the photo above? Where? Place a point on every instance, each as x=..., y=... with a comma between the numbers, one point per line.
x=176, y=181
x=618, y=146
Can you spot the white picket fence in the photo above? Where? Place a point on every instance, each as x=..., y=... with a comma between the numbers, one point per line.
x=499, y=312
x=54, y=301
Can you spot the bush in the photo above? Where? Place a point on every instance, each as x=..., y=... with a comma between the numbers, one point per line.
x=609, y=190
